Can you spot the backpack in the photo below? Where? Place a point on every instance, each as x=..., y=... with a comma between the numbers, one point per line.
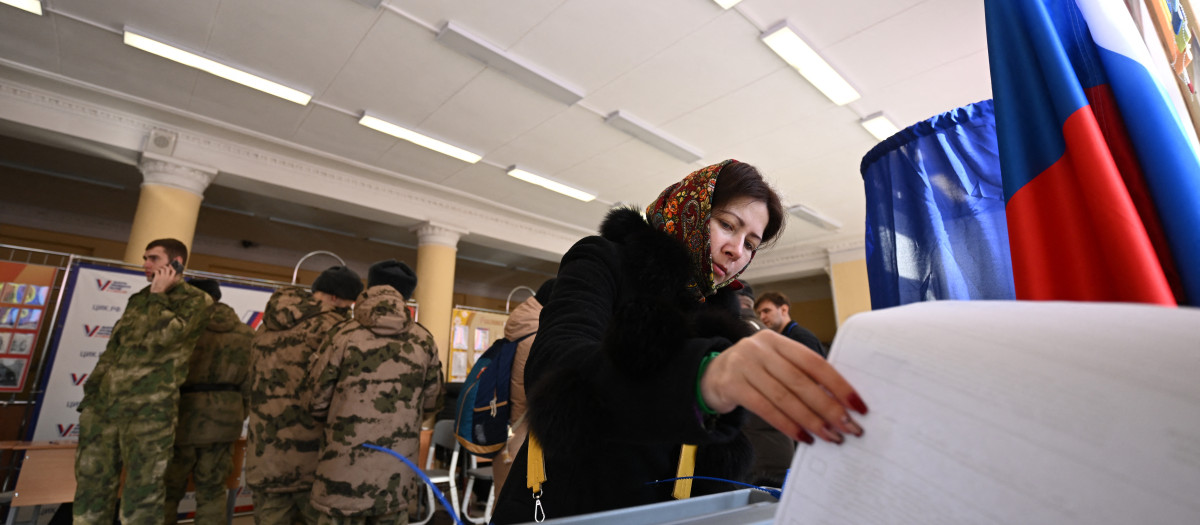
x=481, y=421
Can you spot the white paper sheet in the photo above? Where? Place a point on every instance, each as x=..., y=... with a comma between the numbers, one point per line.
x=1012, y=412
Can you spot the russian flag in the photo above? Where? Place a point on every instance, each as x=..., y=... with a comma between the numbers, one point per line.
x=1101, y=180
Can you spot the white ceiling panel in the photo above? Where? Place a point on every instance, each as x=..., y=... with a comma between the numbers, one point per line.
x=29, y=39
x=838, y=191
x=912, y=33
x=565, y=140
x=631, y=172
x=585, y=215
x=957, y=83
x=486, y=179
x=772, y=102
x=503, y=23
x=340, y=134
x=717, y=59
x=244, y=107
x=496, y=109
x=99, y=57
x=303, y=47
x=786, y=147
x=591, y=43
x=823, y=23
x=400, y=73
x=186, y=24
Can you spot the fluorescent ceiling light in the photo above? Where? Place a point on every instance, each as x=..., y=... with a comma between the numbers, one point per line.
x=786, y=42
x=814, y=217
x=33, y=6
x=879, y=126
x=726, y=4
x=216, y=68
x=454, y=37
x=550, y=185
x=671, y=145
x=419, y=139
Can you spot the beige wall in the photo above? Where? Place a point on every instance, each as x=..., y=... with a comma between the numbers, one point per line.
x=851, y=292
x=815, y=315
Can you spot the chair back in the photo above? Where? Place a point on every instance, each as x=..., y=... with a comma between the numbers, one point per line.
x=443, y=436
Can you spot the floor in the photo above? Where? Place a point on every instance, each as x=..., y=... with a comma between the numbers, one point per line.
x=440, y=517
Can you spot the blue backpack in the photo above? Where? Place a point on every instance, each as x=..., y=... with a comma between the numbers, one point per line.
x=481, y=422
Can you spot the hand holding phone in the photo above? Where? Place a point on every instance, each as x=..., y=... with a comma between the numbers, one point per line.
x=163, y=280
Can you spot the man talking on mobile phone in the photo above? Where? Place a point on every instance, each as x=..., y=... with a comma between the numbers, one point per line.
x=131, y=399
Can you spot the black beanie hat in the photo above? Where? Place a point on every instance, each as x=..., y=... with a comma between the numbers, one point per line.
x=209, y=286
x=395, y=274
x=340, y=282
x=544, y=291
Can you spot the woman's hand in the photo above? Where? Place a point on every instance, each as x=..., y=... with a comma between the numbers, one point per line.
x=788, y=385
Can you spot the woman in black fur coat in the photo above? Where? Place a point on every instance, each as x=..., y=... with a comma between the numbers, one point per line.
x=641, y=350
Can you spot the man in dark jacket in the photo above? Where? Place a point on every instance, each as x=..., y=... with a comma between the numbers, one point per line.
x=131, y=399
x=774, y=310
x=213, y=403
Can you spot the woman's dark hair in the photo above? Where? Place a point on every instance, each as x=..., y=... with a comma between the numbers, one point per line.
x=739, y=179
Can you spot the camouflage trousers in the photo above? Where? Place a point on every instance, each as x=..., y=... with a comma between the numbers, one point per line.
x=400, y=518
x=208, y=465
x=284, y=508
x=142, y=443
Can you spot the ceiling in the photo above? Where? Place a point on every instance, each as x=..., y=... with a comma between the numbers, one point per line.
x=685, y=67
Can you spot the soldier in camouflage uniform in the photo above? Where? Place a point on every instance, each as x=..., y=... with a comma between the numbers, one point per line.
x=373, y=381
x=281, y=448
x=127, y=416
x=213, y=403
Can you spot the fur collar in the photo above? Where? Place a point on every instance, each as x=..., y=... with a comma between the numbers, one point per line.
x=658, y=302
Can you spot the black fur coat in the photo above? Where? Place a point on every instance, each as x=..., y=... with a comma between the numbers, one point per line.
x=611, y=378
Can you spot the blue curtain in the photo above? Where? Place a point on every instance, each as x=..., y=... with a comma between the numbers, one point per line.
x=935, y=212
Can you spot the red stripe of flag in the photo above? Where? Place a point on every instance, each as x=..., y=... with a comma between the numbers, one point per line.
x=1075, y=232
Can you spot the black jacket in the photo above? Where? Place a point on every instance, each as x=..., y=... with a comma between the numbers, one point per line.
x=805, y=337
x=611, y=378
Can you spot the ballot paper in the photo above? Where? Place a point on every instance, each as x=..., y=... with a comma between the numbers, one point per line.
x=1012, y=412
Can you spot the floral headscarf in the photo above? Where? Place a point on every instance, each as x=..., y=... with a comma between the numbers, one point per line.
x=682, y=211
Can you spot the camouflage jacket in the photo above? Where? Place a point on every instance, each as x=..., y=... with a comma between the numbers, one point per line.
x=372, y=383
x=147, y=356
x=281, y=449
x=215, y=398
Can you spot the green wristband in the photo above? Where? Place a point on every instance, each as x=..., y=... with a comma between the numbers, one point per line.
x=699, y=396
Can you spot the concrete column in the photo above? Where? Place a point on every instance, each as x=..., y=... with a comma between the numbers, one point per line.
x=437, y=248
x=169, y=203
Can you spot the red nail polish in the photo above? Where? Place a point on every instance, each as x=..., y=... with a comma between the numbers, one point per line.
x=833, y=435
x=857, y=403
x=805, y=437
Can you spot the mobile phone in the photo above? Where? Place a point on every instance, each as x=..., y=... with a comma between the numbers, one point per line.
x=178, y=267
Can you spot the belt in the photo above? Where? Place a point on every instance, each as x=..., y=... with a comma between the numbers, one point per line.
x=209, y=387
